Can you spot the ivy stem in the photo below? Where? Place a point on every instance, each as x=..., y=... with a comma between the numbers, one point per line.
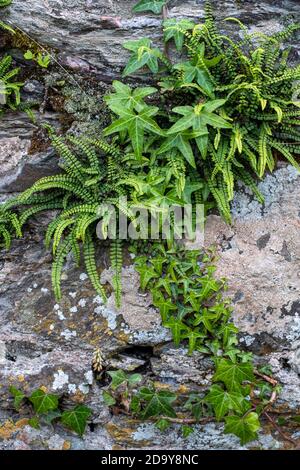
x=279, y=430
x=267, y=378
x=188, y=420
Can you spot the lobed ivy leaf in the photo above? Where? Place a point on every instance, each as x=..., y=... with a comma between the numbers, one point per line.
x=34, y=422
x=134, y=379
x=158, y=403
x=243, y=427
x=18, y=396
x=177, y=327
x=149, y=5
x=49, y=417
x=186, y=431
x=141, y=54
x=126, y=97
x=135, y=124
x=233, y=374
x=174, y=29
x=108, y=399
x=76, y=419
x=118, y=378
x=43, y=402
x=223, y=401
x=162, y=424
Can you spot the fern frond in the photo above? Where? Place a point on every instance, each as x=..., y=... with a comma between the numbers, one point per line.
x=91, y=268
x=57, y=266
x=116, y=264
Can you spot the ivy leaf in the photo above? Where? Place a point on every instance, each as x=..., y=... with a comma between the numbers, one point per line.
x=142, y=54
x=134, y=379
x=118, y=378
x=76, y=419
x=194, y=405
x=18, y=396
x=149, y=5
x=146, y=274
x=186, y=431
x=158, y=403
x=164, y=306
x=243, y=427
x=193, y=335
x=233, y=374
x=223, y=401
x=126, y=97
x=162, y=424
x=135, y=124
x=227, y=331
x=43, y=402
x=177, y=327
x=198, y=118
x=174, y=29
x=192, y=73
x=108, y=399
x=135, y=405
x=181, y=142
x=34, y=422
x=50, y=416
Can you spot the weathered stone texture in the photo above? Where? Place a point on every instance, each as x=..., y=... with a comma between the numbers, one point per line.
x=46, y=343
x=94, y=31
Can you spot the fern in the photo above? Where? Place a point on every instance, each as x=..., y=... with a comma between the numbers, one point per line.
x=90, y=264
x=116, y=264
x=57, y=266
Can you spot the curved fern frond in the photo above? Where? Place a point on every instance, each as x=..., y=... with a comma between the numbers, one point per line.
x=91, y=268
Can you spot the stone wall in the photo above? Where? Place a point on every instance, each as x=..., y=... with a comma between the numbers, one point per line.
x=42, y=342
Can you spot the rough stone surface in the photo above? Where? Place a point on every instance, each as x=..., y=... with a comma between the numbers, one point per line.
x=50, y=344
x=259, y=255
x=88, y=35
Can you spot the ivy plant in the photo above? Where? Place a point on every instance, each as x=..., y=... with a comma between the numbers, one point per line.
x=47, y=409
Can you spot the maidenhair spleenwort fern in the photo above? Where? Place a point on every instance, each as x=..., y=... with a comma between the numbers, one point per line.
x=116, y=264
x=77, y=200
x=97, y=182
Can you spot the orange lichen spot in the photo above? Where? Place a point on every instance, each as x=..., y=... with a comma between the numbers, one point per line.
x=66, y=445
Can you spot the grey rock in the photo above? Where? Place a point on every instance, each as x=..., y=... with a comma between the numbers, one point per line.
x=175, y=365
x=126, y=363
x=259, y=255
x=142, y=322
x=94, y=40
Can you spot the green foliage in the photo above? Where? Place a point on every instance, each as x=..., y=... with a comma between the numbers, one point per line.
x=157, y=403
x=233, y=374
x=47, y=409
x=5, y=3
x=9, y=88
x=76, y=419
x=220, y=114
x=148, y=5
x=188, y=296
x=9, y=226
x=43, y=402
x=18, y=396
x=87, y=193
x=237, y=106
x=244, y=427
x=43, y=60
x=224, y=401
